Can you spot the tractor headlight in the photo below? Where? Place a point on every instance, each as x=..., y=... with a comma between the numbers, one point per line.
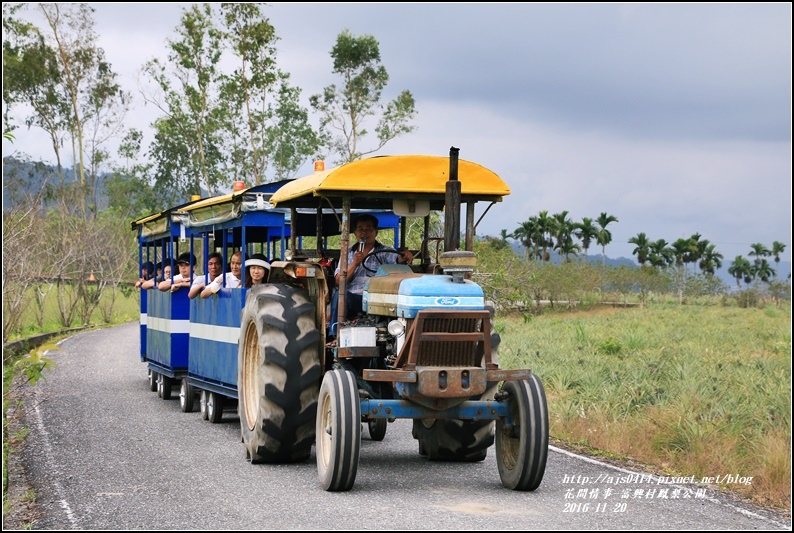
x=288, y=255
x=396, y=328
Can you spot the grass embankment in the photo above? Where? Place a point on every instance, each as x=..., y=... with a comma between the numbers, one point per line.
x=703, y=391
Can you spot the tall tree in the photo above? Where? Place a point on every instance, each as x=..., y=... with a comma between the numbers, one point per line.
x=585, y=231
x=759, y=251
x=236, y=119
x=763, y=270
x=89, y=86
x=642, y=247
x=277, y=129
x=188, y=145
x=741, y=269
x=344, y=110
x=777, y=249
x=127, y=187
x=561, y=227
x=543, y=225
x=710, y=260
x=660, y=255
x=604, y=236
x=523, y=233
x=61, y=73
x=32, y=77
x=568, y=248
x=681, y=250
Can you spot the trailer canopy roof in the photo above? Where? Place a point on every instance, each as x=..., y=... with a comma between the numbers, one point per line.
x=374, y=183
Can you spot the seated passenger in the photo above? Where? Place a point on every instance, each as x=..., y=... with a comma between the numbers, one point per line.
x=256, y=270
x=183, y=278
x=152, y=282
x=214, y=269
x=232, y=278
x=147, y=272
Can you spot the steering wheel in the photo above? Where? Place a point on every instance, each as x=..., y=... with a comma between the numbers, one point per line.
x=375, y=253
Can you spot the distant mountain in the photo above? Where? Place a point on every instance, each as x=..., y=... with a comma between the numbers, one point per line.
x=783, y=268
x=23, y=179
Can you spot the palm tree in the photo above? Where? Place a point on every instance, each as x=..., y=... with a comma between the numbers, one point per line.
x=586, y=232
x=660, y=255
x=604, y=237
x=695, y=247
x=710, y=260
x=542, y=227
x=561, y=228
x=777, y=249
x=523, y=234
x=740, y=269
x=681, y=249
x=763, y=270
x=568, y=248
x=642, y=247
x=759, y=251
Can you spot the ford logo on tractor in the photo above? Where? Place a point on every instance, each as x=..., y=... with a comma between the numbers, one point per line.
x=447, y=301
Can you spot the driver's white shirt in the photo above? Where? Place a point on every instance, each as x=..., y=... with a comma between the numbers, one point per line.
x=373, y=261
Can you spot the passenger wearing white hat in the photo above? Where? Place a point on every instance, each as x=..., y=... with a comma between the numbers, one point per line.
x=256, y=270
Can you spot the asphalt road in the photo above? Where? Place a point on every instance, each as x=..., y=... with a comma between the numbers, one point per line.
x=106, y=453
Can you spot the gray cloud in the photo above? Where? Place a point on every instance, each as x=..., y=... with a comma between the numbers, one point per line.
x=676, y=118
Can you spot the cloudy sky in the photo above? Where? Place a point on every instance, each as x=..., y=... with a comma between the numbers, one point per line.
x=675, y=118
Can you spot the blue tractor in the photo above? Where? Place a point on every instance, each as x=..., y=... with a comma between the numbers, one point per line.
x=423, y=348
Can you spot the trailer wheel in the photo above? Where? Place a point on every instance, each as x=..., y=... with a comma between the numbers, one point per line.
x=215, y=403
x=152, y=381
x=279, y=374
x=521, y=450
x=186, y=396
x=203, y=405
x=377, y=428
x=338, y=431
x=164, y=387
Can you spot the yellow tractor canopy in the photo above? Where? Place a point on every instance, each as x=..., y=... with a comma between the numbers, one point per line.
x=374, y=183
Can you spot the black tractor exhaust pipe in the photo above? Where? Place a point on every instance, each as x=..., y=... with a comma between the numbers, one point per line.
x=452, y=204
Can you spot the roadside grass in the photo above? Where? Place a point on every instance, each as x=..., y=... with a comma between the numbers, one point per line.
x=692, y=390
x=44, y=317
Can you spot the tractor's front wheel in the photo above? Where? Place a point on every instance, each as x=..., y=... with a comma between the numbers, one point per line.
x=522, y=448
x=338, y=431
x=279, y=374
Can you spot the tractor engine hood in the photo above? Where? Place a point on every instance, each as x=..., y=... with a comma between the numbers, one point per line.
x=398, y=292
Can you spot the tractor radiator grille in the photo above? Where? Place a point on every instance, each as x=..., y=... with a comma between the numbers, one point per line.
x=435, y=350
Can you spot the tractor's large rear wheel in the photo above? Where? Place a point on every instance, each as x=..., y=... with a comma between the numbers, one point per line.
x=279, y=374
x=454, y=440
x=521, y=449
x=338, y=431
